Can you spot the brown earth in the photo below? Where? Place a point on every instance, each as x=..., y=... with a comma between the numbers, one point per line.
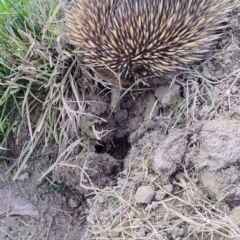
x=183, y=142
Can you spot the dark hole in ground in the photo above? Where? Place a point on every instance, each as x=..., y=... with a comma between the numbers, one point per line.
x=115, y=170
x=120, y=148
x=100, y=148
x=117, y=148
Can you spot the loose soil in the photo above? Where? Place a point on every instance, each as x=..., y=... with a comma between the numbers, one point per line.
x=183, y=141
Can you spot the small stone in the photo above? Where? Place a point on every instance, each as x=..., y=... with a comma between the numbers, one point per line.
x=168, y=188
x=73, y=203
x=114, y=235
x=177, y=232
x=144, y=194
x=160, y=195
x=101, y=200
x=131, y=215
x=219, y=74
x=142, y=232
x=125, y=172
x=24, y=176
x=168, y=156
x=90, y=219
x=170, y=217
x=234, y=90
x=181, y=232
x=148, y=208
x=227, y=61
x=155, y=205
x=152, y=206
x=235, y=214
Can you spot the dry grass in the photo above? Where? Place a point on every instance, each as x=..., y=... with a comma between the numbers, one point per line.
x=117, y=216
x=200, y=90
x=44, y=77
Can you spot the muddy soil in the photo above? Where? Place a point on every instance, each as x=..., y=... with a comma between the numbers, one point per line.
x=167, y=168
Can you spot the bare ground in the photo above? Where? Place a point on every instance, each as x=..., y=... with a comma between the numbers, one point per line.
x=182, y=145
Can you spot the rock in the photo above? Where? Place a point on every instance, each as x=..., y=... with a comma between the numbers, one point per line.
x=235, y=215
x=168, y=188
x=12, y=204
x=144, y=194
x=160, y=195
x=218, y=183
x=113, y=235
x=227, y=61
x=219, y=74
x=152, y=206
x=219, y=144
x=142, y=232
x=177, y=232
x=24, y=176
x=131, y=215
x=155, y=205
x=73, y=203
x=90, y=219
x=234, y=89
x=170, y=153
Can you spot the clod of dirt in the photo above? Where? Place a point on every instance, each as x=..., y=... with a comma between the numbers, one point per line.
x=16, y=205
x=100, y=171
x=149, y=124
x=177, y=233
x=235, y=215
x=98, y=107
x=160, y=195
x=144, y=194
x=220, y=182
x=121, y=115
x=168, y=188
x=24, y=176
x=169, y=97
x=169, y=154
x=211, y=183
x=219, y=144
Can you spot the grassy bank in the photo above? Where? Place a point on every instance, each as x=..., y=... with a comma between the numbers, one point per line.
x=35, y=73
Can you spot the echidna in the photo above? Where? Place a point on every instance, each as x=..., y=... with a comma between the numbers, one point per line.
x=135, y=38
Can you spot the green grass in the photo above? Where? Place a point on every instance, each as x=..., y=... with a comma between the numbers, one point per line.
x=15, y=19
x=32, y=42
x=38, y=90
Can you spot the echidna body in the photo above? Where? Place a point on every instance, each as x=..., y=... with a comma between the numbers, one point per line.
x=135, y=38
